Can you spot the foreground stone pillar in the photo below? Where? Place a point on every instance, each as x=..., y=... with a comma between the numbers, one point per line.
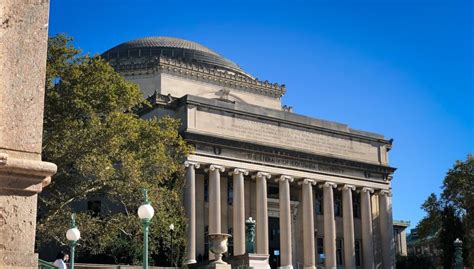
x=23, y=41
x=309, y=261
x=367, y=231
x=262, y=213
x=348, y=220
x=386, y=229
x=329, y=225
x=238, y=216
x=190, y=209
x=285, y=221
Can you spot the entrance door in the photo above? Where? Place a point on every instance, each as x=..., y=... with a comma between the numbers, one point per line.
x=274, y=241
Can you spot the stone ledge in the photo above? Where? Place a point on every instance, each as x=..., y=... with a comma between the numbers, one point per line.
x=24, y=175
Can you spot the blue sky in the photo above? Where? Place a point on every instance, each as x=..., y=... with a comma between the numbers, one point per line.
x=397, y=67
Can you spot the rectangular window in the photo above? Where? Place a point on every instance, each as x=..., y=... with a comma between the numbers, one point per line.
x=339, y=253
x=94, y=207
x=230, y=191
x=230, y=243
x=206, y=243
x=206, y=188
x=320, y=245
x=337, y=204
x=272, y=192
x=356, y=206
x=319, y=203
x=358, y=252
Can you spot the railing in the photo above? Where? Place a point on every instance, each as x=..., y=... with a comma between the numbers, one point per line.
x=42, y=264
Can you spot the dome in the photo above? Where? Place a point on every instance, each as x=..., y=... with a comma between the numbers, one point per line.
x=151, y=47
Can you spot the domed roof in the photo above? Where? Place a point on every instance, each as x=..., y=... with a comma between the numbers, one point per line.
x=171, y=47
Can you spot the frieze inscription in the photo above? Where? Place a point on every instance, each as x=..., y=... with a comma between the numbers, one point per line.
x=287, y=162
x=285, y=136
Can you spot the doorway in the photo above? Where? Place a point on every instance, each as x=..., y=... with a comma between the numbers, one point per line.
x=274, y=241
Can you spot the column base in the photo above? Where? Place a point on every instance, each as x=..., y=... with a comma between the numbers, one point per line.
x=18, y=260
x=309, y=267
x=217, y=266
x=286, y=267
x=191, y=261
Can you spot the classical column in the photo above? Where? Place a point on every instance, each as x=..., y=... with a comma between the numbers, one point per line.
x=190, y=209
x=348, y=220
x=366, y=223
x=285, y=221
x=329, y=225
x=262, y=213
x=238, y=205
x=386, y=229
x=215, y=198
x=309, y=261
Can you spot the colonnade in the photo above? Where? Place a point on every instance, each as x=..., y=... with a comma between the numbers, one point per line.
x=261, y=178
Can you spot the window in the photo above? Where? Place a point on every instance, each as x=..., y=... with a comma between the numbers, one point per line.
x=339, y=253
x=206, y=188
x=358, y=256
x=230, y=244
x=272, y=192
x=230, y=191
x=319, y=202
x=320, y=245
x=356, y=206
x=94, y=207
x=337, y=204
x=206, y=243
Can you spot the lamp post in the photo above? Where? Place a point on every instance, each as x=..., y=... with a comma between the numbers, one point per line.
x=72, y=235
x=145, y=213
x=458, y=261
x=171, y=231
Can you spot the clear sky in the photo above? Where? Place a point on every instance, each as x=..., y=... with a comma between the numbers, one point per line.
x=402, y=68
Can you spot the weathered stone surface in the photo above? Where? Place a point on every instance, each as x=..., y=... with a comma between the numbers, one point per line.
x=23, y=41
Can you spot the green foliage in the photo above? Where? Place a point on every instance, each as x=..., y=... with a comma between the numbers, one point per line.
x=451, y=228
x=452, y=215
x=414, y=262
x=430, y=224
x=105, y=151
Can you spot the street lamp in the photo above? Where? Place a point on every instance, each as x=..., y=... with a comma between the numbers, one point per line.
x=458, y=260
x=145, y=213
x=171, y=230
x=72, y=236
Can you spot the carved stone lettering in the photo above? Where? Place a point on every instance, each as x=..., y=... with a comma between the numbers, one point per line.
x=289, y=137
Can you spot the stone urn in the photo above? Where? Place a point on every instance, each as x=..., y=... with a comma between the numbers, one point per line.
x=218, y=246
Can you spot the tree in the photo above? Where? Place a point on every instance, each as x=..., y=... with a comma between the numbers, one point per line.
x=104, y=151
x=451, y=228
x=430, y=224
x=452, y=215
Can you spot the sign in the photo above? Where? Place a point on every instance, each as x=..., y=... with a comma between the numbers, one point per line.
x=276, y=252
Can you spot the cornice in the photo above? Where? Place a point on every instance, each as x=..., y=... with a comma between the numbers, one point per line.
x=200, y=72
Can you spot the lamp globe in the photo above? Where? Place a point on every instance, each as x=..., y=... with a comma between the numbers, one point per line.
x=73, y=234
x=146, y=212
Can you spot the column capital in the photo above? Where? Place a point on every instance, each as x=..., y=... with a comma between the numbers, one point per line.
x=328, y=184
x=284, y=177
x=307, y=181
x=191, y=163
x=349, y=187
x=263, y=175
x=367, y=189
x=385, y=192
x=213, y=167
x=237, y=171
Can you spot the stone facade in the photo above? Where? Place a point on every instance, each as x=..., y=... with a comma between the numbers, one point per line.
x=318, y=190
x=23, y=41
